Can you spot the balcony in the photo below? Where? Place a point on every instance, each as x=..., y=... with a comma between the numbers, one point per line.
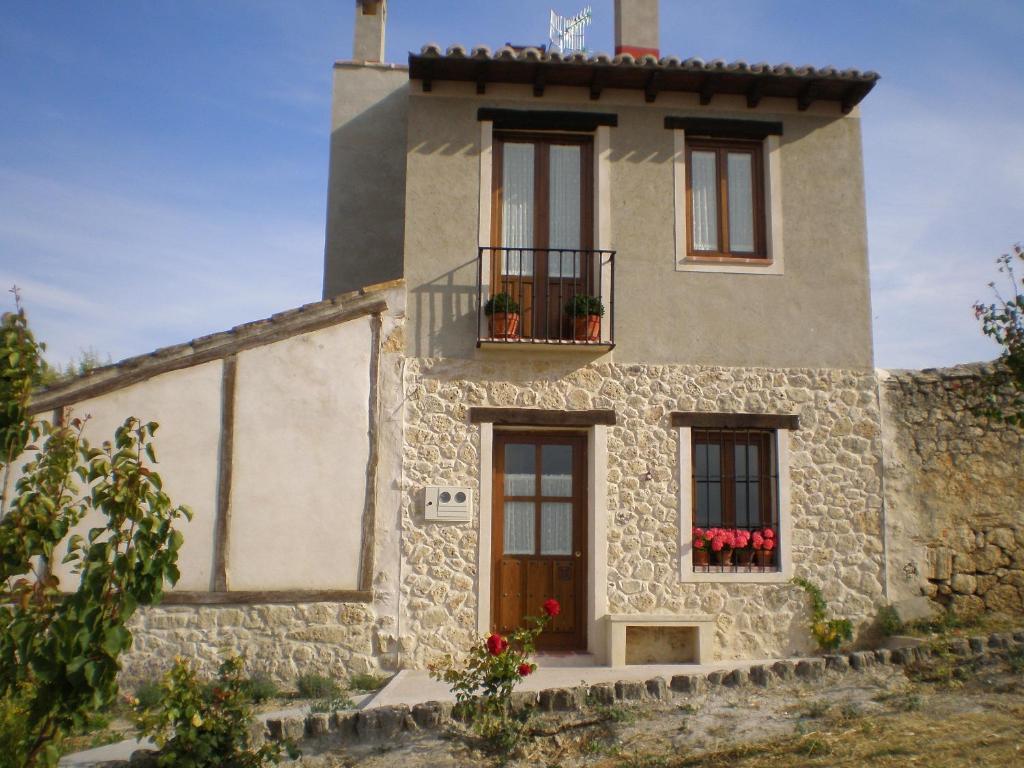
x=546, y=298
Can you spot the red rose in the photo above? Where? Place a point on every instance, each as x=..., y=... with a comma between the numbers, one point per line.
x=551, y=607
x=496, y=644
x=525, y=669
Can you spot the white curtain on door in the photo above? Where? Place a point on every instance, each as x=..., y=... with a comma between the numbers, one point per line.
x=517, y=208
x=564, y=226
x=519, y=530
x=555, y=528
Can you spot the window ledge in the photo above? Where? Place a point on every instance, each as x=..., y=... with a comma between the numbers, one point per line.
x=545, y=345
x=711, y=577
x=735, y=266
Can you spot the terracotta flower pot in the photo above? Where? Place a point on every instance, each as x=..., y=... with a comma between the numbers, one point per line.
x=765, y=557
x=725, y=556
x=745, y=556
x=587, y=328
x=505, y=325
x=700, y=556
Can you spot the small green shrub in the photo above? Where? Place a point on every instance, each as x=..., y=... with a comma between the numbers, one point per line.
x=260, y=687
x=583, y=305
x=148, y=694
x=828, y=633
x=337, y=703
x=205, y=726
x=889, y=621
x=367, y=682
x=314, y=686
x=502, y=303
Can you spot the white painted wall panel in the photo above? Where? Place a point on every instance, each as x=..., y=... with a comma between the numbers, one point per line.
x=299, y=474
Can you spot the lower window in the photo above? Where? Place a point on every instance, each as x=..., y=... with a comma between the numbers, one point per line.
x=735, y=500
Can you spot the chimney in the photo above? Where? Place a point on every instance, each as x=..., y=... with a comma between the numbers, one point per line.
x=368, y=43
x=636, y=27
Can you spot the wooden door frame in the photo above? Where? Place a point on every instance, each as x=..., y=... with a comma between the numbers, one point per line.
x=581, y=522
x=541, y=190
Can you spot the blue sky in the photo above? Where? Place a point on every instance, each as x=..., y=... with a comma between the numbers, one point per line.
x=163, y=164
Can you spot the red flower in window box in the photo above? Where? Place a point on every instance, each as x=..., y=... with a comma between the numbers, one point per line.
x=551, y=607
x=496, y=644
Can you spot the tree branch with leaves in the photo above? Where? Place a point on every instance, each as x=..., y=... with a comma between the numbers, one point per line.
x=1002, y=320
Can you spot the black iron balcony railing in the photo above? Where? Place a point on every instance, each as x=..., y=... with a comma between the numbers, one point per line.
x=546, y=296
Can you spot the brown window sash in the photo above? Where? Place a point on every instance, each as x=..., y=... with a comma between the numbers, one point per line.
x=722, y=149
x=727, y=440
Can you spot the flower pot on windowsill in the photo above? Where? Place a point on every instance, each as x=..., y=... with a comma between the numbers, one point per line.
x=765, y=558
x=724, y=556
x=503, y=314
x=587, y=328
x=700, y=557
x=505, y=325
x=745, y=556
x=586, y=312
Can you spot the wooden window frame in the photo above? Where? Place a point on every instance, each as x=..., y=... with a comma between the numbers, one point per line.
x=727, y=439
x=721, y=148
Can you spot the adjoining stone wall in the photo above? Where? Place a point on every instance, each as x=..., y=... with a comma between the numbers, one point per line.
x=954, y=492
x=282, y=641
x=835, y=473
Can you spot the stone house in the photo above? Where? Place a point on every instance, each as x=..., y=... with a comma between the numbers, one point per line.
x=381, y=477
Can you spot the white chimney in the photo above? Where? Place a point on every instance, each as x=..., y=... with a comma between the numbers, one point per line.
x=371, y=17
x=636, y=27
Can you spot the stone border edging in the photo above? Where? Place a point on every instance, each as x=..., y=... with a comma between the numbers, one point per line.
x=383, y=723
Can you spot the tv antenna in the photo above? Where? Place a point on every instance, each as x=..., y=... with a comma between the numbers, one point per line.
x=567, y=31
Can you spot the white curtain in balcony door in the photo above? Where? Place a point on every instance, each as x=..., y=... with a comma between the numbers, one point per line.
x=564, y=228
x=517, y=208
x=704, y=193
x=741, y=202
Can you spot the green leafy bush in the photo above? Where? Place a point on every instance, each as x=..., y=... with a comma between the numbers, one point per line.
x=367, y=682
x=889, y=621
x=260, y=687
x=582, y=306
x=337, y=703
x=59, y=652
x=501, y=303
x=828, y=633
x=148, y=694
x=314, y=686
x=199, y=725
x=1003, y=321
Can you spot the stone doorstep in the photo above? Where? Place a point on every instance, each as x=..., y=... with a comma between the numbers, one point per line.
x=388, y=722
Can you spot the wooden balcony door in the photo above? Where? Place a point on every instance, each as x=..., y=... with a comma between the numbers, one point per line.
x=543, y=197
x=539, y=536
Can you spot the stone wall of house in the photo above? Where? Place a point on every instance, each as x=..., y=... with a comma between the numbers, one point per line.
x=282, y=641
x=954, y=492
x=836, y=494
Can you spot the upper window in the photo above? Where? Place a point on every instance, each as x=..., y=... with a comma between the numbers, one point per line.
x=725, y=199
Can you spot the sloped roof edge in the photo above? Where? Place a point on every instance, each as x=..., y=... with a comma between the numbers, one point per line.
x=292, y=322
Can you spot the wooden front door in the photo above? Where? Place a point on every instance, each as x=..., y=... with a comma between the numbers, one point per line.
x=539, y=535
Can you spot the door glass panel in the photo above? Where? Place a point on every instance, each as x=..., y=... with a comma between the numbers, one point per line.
x=555, y=528
x=741, y=202
x=564, y=220
x=517, y=208
x=704, y=194
x=707, y=473
x=520, y=470
x=556, y=470
x=519, y=530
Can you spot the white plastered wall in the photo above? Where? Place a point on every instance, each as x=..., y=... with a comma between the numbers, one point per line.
x=301, y=448
x=186, y=404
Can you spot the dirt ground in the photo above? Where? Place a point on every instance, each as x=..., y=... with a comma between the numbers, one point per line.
x=941, y=714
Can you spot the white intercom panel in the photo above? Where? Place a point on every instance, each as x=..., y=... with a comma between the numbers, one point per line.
x=447, y=504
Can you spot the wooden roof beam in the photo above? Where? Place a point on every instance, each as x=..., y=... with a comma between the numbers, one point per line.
x=807, y=95
x=754, y=94
x=596, y=84
x=707, y=90
x=652, y=87
x=538, y=82
x=481, y=78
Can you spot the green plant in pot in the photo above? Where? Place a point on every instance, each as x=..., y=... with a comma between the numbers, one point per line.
x=586, y=312
x=503, y=313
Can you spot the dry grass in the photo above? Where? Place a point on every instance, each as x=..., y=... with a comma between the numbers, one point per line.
x=992, y=738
